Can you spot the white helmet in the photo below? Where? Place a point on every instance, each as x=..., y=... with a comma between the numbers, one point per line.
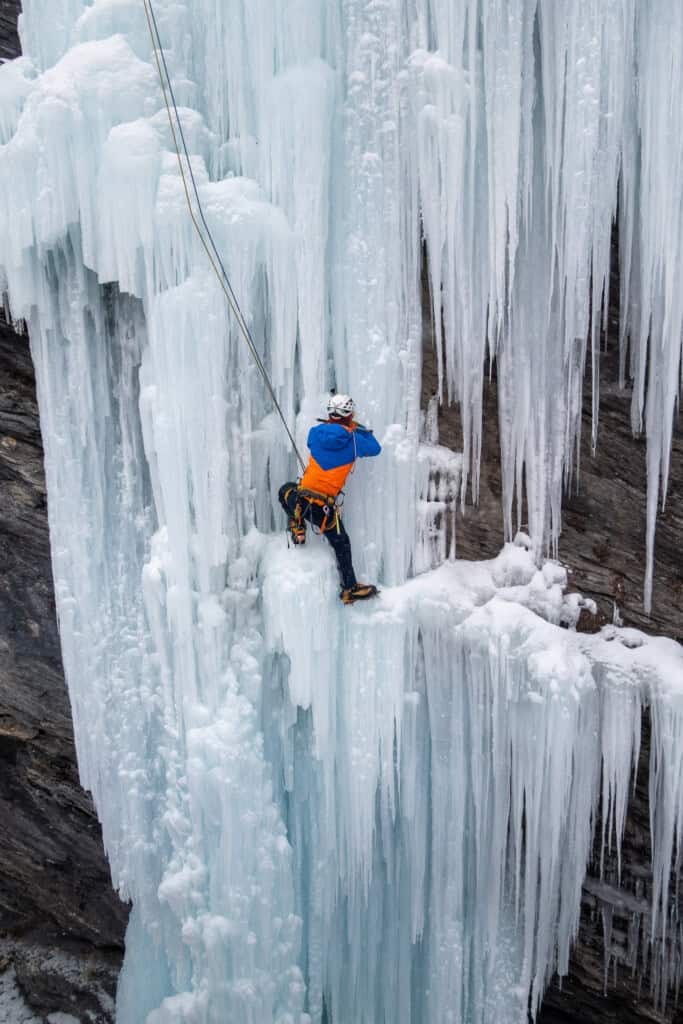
x=340, y=406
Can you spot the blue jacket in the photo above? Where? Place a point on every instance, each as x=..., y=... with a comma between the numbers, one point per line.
x=334, y=449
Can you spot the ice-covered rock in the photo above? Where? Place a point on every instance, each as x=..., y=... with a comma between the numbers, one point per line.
x=384, y=810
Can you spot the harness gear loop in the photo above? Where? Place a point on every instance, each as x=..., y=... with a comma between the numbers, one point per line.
x=317, y=497
x=327, y=502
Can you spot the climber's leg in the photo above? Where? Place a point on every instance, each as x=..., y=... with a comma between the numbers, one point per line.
x=341, y=545
x=287, y=496
x=294, y=506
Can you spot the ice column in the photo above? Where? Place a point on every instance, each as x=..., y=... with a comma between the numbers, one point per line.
x=382, y=814
x=156, y=442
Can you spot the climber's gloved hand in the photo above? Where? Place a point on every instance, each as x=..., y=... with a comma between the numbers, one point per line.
x=361, y=428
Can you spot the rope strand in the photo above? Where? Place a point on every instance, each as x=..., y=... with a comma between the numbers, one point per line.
x=210, y=246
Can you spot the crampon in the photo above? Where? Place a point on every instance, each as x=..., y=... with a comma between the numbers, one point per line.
x=359, y=592
x=297, y=531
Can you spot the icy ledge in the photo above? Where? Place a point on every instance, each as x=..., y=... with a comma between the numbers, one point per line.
x=443, y=753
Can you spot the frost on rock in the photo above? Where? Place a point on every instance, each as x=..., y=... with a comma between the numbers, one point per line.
x=379, y=813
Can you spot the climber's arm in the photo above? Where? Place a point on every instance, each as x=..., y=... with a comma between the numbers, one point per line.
x=367, y=444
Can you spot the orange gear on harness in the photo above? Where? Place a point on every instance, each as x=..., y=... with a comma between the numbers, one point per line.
x=296, y=525
x=327, y=503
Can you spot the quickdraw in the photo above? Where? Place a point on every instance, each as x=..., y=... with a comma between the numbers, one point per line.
x=335, y=520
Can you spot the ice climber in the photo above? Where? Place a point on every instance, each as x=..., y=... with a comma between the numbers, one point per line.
x=335, y=445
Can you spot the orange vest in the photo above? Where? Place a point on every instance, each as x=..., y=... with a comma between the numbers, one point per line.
x=327, y=482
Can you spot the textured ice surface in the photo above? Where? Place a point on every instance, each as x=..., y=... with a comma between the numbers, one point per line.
x=384, y=810
x=449, y=765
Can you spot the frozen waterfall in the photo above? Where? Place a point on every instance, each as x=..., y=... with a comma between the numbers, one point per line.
x=375, y=815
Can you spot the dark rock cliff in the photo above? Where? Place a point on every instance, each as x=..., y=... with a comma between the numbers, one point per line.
x=61, y=925
x=9, y=40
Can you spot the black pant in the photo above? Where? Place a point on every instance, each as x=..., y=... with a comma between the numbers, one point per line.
x=312, y=513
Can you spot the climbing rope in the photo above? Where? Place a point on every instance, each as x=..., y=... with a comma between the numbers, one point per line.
x=207, y=242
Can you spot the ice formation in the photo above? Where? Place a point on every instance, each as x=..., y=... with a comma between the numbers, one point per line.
x=376, y=814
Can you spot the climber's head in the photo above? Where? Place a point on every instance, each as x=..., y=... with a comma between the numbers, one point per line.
x=340, y=408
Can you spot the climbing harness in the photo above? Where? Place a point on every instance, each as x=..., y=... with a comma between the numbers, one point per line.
x=208, y=241
x=330, y=505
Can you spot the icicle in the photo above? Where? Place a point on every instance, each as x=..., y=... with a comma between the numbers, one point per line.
x=657, y=332
x=374, y=813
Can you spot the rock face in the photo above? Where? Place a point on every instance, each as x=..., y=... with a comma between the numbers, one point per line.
x=61, y=925
x=9, y=40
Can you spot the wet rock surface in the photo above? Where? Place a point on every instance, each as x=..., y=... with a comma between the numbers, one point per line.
x=66, y=978
x=61, y=925
x=9, y=39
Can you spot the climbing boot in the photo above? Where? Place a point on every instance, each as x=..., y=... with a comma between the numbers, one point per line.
x=297, y=531
x=359, y=592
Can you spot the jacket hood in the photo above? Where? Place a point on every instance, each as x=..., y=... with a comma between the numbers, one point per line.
x=332, y=436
